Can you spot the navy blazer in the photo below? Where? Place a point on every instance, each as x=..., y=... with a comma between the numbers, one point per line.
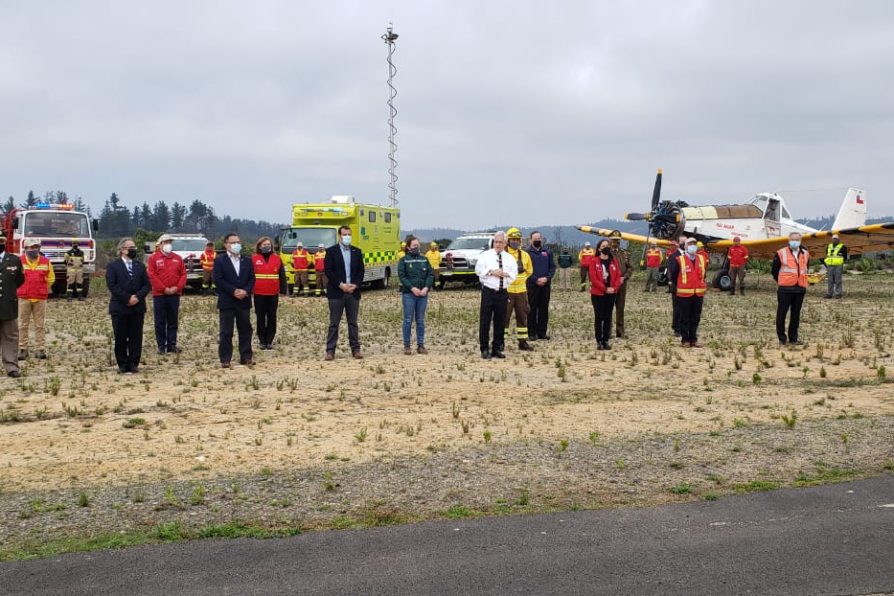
x=122, y=286
x=226, y=281
x=334, y=265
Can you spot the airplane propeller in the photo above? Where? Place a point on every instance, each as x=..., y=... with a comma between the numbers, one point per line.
x=666, y=218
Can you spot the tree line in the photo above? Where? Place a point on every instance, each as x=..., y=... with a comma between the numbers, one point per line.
x=117, y=219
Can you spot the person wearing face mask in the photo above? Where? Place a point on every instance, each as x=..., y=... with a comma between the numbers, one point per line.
x=605, y=281
x=128, y=285
x=33, y=294
x=74, y=270
x=790, y=272
x=539, y=286
x=12, y=276
x=270, y=282
x=234, y=278
x=416, y=280
x=518, y=290
x=688, y=272
x=679, y=250
x=344, y=271
x=623, y=256
x=167, y=274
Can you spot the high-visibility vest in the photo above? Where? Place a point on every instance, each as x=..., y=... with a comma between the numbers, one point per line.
x=585, y=256
x=207, y=259
x=300, y=259
x=267, y=274
x=319, y=261
x=833, y=255
x=792, y=272
x=653, y=257
x=691, y=278
x=37, y=279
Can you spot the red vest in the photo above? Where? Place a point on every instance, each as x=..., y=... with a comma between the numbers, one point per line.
x=653, y=258
x=691, y=279
x=299, y=259
x=35, y=286
x=319, y=260
x=207, y=259
x=267, y=274
x=792, y=272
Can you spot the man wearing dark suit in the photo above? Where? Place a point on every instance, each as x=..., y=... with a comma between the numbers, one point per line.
x=234, y=278
x=344, y=274
x=12, y=276
x=128, y=285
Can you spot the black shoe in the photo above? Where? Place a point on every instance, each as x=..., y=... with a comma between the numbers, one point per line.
x=606, y=346
x=485, y=354
x=599, y=346
x=544, y=338
x=14, y=374
x=677, y=334
x=174, y=350
x=796, y=342
x=81, y=299
x=161, y=352
x=783, y=341
x=122, y=370
x=532, y=338
x=497, y=354
x=524, y=346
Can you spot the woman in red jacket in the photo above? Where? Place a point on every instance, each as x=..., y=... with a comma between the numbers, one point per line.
x=605, y=279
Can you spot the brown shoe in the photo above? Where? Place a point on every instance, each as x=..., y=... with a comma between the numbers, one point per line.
x=329, y=356
x=358, y=355
x=694, y=344
x=408, y=351
x=422, y=350
x=225, y=365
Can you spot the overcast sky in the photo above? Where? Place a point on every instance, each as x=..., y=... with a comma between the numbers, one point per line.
x=509, y=112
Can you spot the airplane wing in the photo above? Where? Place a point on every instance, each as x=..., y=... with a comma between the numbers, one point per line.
x=605, y=232
x=869, y=238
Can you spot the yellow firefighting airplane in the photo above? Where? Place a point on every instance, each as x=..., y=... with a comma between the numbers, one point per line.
x=762, y=224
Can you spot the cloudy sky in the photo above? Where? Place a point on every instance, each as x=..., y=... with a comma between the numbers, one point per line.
x=524, y=112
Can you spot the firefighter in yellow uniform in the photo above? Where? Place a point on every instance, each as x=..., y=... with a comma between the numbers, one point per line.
x=434, y=257
x=403, y=251
x=74, y=271
x=518, y=290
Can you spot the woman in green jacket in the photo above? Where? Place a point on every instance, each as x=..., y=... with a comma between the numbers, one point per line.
x=416, y=279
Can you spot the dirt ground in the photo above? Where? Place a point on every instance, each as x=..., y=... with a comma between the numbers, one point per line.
x=72, y=424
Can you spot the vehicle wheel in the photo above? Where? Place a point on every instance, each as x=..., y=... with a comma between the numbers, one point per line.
x=441, y=283
x=722, y=281
x=383, y=283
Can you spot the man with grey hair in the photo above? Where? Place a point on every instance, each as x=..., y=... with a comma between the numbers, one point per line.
x=128, y=285
x=496, y=269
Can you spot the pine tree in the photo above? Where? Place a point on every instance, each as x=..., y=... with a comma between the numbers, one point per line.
x=9, y=205
x=178, y=214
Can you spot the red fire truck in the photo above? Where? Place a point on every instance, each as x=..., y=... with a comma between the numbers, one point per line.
x=56, y=227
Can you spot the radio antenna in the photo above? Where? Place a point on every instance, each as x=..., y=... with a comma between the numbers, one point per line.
x=390, y=38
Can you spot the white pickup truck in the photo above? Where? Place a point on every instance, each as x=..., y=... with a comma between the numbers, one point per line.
x=458, y=260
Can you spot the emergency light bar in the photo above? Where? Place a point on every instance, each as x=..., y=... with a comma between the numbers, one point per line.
x=62, y=207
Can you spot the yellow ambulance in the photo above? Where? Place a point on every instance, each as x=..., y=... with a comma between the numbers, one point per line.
x=375, y=230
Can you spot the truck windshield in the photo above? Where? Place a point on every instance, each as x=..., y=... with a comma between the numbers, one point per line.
x=310, y=237
x=57, y=223
x=189, y=244
x=470, y=244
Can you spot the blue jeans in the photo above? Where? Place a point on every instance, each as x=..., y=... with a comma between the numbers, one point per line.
x=414, y=308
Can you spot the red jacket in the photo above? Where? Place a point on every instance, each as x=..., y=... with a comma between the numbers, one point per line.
x=597, y=283
x=737, y=256
x=166, y=271
x=319, y=260
x=37, y=279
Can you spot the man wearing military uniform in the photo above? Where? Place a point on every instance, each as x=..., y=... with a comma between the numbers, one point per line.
x=74, y=271
x=623, y=257
x=11, y=277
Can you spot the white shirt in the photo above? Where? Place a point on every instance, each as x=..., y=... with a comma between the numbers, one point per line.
x=489, y=261
x=236, y=260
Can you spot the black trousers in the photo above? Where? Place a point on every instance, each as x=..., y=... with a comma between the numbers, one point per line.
x=350, y=306
x=165, y=310
x=128, y=330
x=690, y=309
x=675, y=304
x=538, y=309
x=265, y=313
x=241, y=318
x=602, y=311
x=493, y=310
x=788, y=301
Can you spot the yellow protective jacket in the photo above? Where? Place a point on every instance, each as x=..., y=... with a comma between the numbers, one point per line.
x=434, y=257
x=525, y=268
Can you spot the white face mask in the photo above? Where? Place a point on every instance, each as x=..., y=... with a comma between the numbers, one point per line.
x=692, y=249
x=235, y=248
x=167, y=248
x=346, y=240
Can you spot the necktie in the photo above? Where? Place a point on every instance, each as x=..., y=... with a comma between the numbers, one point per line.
x=500, y=265
x=130, y=269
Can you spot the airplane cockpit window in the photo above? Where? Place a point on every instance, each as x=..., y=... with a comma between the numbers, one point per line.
x=759, y=201
x=785, y=214
x=772, y=212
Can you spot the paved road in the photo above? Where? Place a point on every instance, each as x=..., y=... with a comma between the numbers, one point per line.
x=828, y=540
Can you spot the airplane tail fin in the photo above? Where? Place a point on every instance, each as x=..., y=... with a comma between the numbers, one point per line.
x=852, y=213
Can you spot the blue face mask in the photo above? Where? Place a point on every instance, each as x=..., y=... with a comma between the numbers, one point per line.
x=692, y=249
x=346, y=240
x=794, y=244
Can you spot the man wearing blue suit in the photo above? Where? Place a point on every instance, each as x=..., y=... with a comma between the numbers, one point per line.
x=344, y=275
x=234, y=278
x=128, y=285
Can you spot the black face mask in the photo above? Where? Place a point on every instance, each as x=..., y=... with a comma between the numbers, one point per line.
x=537, y=244
x=131, y=253
x=413, y=251
x=266, y=250
x=605, y=250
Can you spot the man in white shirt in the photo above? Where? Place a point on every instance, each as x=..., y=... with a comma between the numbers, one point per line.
x=496, y=269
